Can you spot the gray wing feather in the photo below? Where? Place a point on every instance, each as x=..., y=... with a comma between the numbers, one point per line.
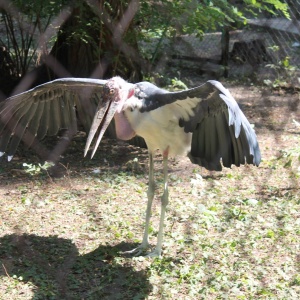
x=41, y=131
x=237, y=139
x=84, y=115
x=10, y=118
x=46, y=109
x=20, y=129
x=66, y=111
x=54, y=112
x=29, y=135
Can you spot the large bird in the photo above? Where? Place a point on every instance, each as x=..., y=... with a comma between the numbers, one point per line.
x=204, y=123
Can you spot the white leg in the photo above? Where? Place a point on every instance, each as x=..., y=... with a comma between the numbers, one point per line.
x=164, y=203
x=150, y=193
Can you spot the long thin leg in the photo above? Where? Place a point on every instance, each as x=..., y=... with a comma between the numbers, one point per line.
x=164, y=203
x=150, y=193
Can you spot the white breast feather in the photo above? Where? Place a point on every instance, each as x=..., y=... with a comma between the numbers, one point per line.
x=160, y=127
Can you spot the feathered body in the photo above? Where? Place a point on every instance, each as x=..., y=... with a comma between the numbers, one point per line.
x=159, y=128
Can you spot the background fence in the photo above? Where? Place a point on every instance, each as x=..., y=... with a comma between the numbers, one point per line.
x=229, y=235
x=267, y=49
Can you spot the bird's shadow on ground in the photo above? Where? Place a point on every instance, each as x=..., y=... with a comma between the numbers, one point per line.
x=57, y=270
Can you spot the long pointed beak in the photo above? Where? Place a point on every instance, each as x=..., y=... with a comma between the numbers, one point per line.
x=101, y=120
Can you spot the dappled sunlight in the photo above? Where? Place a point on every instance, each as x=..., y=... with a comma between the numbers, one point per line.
x=65, y=228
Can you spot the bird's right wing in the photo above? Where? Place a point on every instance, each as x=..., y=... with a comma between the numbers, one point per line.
x=46, y=109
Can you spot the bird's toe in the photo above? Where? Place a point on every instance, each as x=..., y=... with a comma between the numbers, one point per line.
x=154, y=253
x=138, y=251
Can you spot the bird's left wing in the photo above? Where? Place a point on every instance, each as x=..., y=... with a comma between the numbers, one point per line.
x=46, y=109
x=220, y=130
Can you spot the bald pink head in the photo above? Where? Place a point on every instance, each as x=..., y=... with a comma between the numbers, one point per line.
x=118, y=90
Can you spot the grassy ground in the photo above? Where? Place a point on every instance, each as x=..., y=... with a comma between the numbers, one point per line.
x=229, y=235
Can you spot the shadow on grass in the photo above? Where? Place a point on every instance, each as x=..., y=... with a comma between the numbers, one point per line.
x=54, y=266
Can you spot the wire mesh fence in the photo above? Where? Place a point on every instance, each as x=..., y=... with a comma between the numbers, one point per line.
x=261, y=70
x=266, y=48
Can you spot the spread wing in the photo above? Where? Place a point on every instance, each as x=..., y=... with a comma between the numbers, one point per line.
x=220, y=130
x=46, y=109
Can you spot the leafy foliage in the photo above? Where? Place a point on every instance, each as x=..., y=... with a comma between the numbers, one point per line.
x=24, y=22
x=154, y=18
x=198, y=17
x=37, y=169
x=271, y=6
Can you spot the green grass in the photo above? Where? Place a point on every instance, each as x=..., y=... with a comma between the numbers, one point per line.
x=228, y=235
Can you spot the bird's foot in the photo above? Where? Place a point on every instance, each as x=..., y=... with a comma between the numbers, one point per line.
x=141, y=251
x=155, y=253
x=138, y=251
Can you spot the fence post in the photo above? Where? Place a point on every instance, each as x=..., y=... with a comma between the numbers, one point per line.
x=225, y=50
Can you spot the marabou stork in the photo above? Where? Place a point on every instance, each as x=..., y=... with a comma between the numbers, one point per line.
x=204, y=123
